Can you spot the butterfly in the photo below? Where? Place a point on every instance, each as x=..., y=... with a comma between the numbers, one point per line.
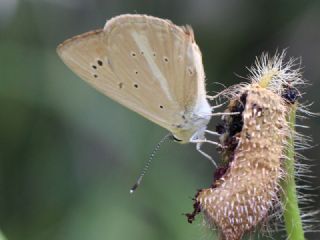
x=150, y=66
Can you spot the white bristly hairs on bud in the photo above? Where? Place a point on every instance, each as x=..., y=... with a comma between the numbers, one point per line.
x=251, y=193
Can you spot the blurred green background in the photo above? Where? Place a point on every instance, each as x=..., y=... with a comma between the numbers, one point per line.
x=68, y=155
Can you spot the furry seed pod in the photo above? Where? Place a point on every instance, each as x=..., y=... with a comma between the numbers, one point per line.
x=243, y=196
x=246, y=188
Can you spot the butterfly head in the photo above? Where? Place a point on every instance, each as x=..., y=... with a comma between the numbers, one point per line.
x=193, y=128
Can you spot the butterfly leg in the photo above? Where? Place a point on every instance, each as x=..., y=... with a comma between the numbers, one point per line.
x=212, y=133
x=198, y=147
x=217, y=106
x=225, y=113
x=206, y=141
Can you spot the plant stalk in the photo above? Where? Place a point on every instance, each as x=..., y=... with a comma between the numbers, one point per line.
x=292, y=216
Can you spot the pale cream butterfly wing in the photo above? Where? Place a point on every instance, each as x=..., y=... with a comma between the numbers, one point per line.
x=147, y=64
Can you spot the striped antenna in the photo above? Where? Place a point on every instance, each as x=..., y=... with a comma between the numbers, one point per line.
x=148, y=163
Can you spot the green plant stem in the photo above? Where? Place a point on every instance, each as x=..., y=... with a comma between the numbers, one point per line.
x=292, y=217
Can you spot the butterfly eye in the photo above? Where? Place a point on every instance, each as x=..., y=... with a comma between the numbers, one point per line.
x=176, y=139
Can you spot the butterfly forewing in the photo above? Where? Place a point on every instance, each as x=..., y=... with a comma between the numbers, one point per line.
x=145, y=63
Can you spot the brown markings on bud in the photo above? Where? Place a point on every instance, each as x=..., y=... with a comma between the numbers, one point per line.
x=231, y=128
x=242, y=197
x=196, y=208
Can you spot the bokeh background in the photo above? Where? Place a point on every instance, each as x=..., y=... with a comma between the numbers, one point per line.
x=68, y=154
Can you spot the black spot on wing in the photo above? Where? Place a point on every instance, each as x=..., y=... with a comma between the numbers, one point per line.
x=100, y=63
